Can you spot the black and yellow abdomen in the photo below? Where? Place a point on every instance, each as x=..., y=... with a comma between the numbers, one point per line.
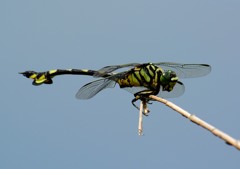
x=46, y=77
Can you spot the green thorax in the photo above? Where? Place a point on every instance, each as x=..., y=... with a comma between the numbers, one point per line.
x=145, y=75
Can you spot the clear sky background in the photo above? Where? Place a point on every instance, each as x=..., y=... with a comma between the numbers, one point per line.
x=45, y=127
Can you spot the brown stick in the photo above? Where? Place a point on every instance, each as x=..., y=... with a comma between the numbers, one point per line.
x=228, y=139
x=140, y=121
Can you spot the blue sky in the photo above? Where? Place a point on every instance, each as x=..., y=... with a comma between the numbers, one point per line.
x=46, y=127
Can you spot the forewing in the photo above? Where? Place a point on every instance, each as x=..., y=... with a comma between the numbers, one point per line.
x=109, y=69
x=91, y=89
x=186, y=70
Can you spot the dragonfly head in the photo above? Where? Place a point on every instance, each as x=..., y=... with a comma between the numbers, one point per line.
x=168, y=80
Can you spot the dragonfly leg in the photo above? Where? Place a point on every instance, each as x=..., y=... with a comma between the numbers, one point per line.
x=143, y=96
x=133, y=103
x=144, y=101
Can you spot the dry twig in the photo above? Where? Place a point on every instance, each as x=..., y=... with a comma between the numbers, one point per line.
x=140, y=129
x=228, y=139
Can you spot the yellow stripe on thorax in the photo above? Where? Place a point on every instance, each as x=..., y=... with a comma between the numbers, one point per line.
x=145, y=75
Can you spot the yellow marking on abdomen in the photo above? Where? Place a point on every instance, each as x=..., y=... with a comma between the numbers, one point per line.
x=41, y=79
x=52, y=71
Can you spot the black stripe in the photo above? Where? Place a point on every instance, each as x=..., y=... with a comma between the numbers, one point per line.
x=40, y=74
x=158, y=74
x=139, y=80
x=149, y=74
x=142, y=77
x=153, y=69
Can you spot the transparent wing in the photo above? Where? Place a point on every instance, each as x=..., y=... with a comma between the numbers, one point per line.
x=182, y=70
x=134, y=90
x=91, y=89
x=186, y=70
x=109, y=69
x=177, y=91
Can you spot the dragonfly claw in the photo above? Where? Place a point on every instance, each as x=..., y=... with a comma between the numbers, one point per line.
x=145, y=101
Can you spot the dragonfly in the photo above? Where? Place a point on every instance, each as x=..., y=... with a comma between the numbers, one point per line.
x=160, y=79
